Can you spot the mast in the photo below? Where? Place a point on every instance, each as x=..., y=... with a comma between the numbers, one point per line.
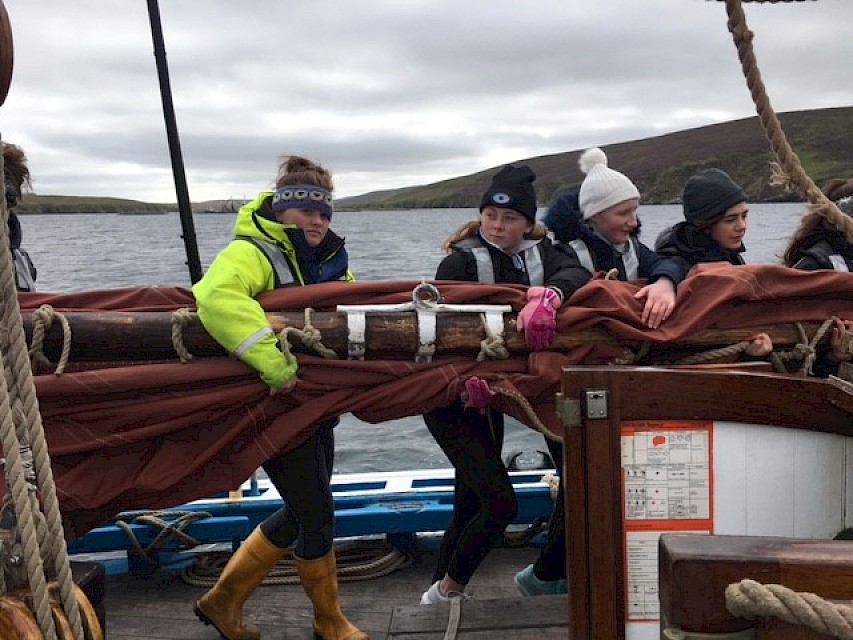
x=184, y=209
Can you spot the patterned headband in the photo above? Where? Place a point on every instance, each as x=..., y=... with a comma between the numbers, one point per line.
x=303, y=196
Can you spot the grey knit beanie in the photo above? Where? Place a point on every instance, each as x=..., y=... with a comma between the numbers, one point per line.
x=708, y=195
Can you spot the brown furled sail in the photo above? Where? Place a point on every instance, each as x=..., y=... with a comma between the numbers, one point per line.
x=129, y=435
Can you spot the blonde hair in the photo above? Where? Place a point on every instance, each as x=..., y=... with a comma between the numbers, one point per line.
x=299, y=170
x=472, y=227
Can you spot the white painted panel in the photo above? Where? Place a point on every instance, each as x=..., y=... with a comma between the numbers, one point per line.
x=770, y=481
x=819, y=479
x=642, y=631
x=730, y=505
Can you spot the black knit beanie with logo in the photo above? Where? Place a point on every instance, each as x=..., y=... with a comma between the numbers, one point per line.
x=708, y=195
x=512, y=188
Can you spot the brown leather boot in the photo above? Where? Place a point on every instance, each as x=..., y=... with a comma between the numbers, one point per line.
x=222, y=606
x=320, y=581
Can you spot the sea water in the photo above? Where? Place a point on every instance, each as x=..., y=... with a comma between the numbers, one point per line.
x=78, y=252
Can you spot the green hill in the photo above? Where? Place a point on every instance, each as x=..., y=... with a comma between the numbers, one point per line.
x=659, y=166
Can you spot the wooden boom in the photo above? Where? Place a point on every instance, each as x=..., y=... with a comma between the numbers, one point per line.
x=121, y=336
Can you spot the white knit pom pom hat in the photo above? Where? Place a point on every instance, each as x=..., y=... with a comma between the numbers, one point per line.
x=603, y=187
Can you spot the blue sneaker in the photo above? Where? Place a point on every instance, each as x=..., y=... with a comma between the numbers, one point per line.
x=530, y=585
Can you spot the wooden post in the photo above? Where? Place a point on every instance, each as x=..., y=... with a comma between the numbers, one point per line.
x=594, y=523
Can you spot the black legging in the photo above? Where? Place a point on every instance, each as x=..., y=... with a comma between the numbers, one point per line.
x=484, y=502
x=551, y=563
x=303, y=478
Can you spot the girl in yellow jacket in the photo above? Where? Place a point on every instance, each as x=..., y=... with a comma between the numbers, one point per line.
x=282, y=239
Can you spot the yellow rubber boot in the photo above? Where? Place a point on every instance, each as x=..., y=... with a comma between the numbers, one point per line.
x=320, y=581
x=222, y=606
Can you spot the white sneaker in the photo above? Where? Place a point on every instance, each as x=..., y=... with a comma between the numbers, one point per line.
x=433, y=595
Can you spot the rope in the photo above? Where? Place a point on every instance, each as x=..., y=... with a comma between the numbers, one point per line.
x=526, y=407
x=493, y=345
x=613, y=274
x=42, y=322
x=356, y=560
x=749, y=599
x=805, y=350
x=173, y=529
x=23, y=428
x=309, y=336
x=630, y=357
x=788, y=170
x=788, y=160
x=181, y=319
x=715, y=354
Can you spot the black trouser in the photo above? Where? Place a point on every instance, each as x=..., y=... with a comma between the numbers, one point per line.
x=551, y=563
x=484, y=502
x=303, y=478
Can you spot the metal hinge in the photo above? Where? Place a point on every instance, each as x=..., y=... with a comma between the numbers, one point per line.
x=569, y=411
x=596, y=404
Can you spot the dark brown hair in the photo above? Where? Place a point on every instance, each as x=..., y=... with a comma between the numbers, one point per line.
x=821, y=219
x=15, y=168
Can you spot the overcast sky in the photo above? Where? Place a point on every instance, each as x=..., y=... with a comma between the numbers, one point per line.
x=386, y=93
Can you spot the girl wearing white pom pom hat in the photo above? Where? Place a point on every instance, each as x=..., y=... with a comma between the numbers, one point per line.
x=603, y=232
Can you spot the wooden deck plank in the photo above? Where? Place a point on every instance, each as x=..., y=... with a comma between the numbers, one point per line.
x=161, y=607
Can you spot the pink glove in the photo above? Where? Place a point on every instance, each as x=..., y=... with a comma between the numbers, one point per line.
x=538, y=318
x=477, y=394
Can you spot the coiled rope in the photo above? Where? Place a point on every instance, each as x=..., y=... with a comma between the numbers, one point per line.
x=356, y=560
x=749, y=599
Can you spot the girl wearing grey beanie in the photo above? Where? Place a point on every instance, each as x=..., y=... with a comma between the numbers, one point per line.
x=715, y=222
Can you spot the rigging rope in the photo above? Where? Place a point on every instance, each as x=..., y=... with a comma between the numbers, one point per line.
x=22, y=429
x=789, y=170
x=749, y=599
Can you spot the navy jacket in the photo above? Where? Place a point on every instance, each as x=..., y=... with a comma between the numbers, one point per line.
x=565, y=220
x=689, y=245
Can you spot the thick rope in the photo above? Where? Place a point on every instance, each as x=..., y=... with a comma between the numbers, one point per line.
x=43, y=319
x=311, y=338
x=749, y=599
x=806, y=350
x=357, y=560
x=9, y=392
x=788, y=171
x=18, y=384
x=715, y=354
x=788, y=160
x=181, y=319
x=493, y=345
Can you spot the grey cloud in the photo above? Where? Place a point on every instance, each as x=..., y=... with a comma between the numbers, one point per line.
x=386, y=92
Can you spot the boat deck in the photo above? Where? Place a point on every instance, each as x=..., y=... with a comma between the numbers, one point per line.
x=161, y=607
